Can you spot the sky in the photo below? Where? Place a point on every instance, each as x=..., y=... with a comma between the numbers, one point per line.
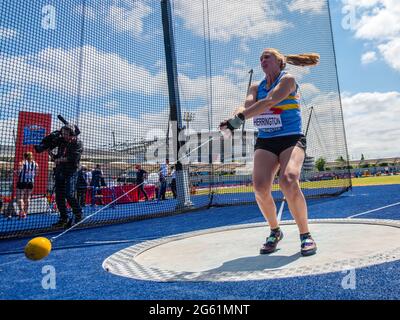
x=368, y=51
x=111, y=79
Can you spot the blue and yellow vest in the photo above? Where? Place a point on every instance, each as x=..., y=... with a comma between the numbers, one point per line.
x=281, y=120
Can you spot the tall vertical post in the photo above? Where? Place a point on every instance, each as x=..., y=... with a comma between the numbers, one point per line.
x=340, y=98
x=80, y=74
x=113, y=138
x=182, y=179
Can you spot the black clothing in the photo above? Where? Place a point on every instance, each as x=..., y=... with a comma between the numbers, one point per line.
x=72, y=151
x=140, y=176
x=24, y=185
x=81, y=195
x=65, y=190
x=141, y=189
x=66, y=177
x=82, y=180
x=81, y=187
x=96, y=177
x=277, y=145
x=173, y=187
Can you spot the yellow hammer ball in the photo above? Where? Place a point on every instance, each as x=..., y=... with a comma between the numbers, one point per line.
x=38, y=248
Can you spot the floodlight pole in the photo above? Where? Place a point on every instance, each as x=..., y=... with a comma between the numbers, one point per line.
x=182, y=179
x=309, y=120
x=244, y=141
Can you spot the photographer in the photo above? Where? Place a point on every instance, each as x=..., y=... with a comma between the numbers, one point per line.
x=67, y=162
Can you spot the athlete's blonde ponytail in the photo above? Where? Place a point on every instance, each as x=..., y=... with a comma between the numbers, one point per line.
x=305, y=59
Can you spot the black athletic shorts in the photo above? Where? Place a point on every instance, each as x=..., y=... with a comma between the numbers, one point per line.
x=24, y=185
x=278, y=144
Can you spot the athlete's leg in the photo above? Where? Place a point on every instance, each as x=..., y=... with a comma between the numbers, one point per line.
x=27, y=195
x=20, y=200
x=265, y=167
x=291, y=161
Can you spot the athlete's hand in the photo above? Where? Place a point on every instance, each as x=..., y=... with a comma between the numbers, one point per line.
x=233, y=123
x=223, y=125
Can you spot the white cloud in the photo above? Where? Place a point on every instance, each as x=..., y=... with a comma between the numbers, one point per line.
x=244, y=47
x=128, y=18
x=96, y=129
x=8, y=128
x=297, y=72
x=233, y=19
x=309, y=91
x=371, y=120
x=361, y=3
x=6, y=33
x=90, y=12
x=102, y=73
x=378, y=24
x=111, y=104
x=227, y=95
x=326, y=132
x=239, y=71
x=391, y=52
x=107, y=73
x=313, y=6
x=368, y=57
x=121, y=15
x=11, y=96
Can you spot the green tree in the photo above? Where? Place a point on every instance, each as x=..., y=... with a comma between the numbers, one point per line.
x=320, y=164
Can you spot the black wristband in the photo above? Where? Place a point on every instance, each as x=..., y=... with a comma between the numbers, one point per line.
x=240, y=115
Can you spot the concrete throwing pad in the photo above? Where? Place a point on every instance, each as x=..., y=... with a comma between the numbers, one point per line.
x=232, y=253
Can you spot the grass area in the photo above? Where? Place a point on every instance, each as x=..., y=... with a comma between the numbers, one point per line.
x=357, y=182
x=376, y=181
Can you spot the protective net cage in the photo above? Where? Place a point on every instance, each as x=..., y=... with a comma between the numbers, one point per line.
x=137, y=75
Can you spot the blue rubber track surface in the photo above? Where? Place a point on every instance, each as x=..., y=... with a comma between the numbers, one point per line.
x=133, y=210
x=79, y=272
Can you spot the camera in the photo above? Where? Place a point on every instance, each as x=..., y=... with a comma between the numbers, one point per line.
x=49, y=142
x=54, y=139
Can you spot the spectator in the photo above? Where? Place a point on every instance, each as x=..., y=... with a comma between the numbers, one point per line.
x=123, y=177
x=26, y=176
x=173, y=182
x=82, y=185
x=89, y=176
x=141, y=176
x=95, y=183
x=163, y=172
x=1, y=203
